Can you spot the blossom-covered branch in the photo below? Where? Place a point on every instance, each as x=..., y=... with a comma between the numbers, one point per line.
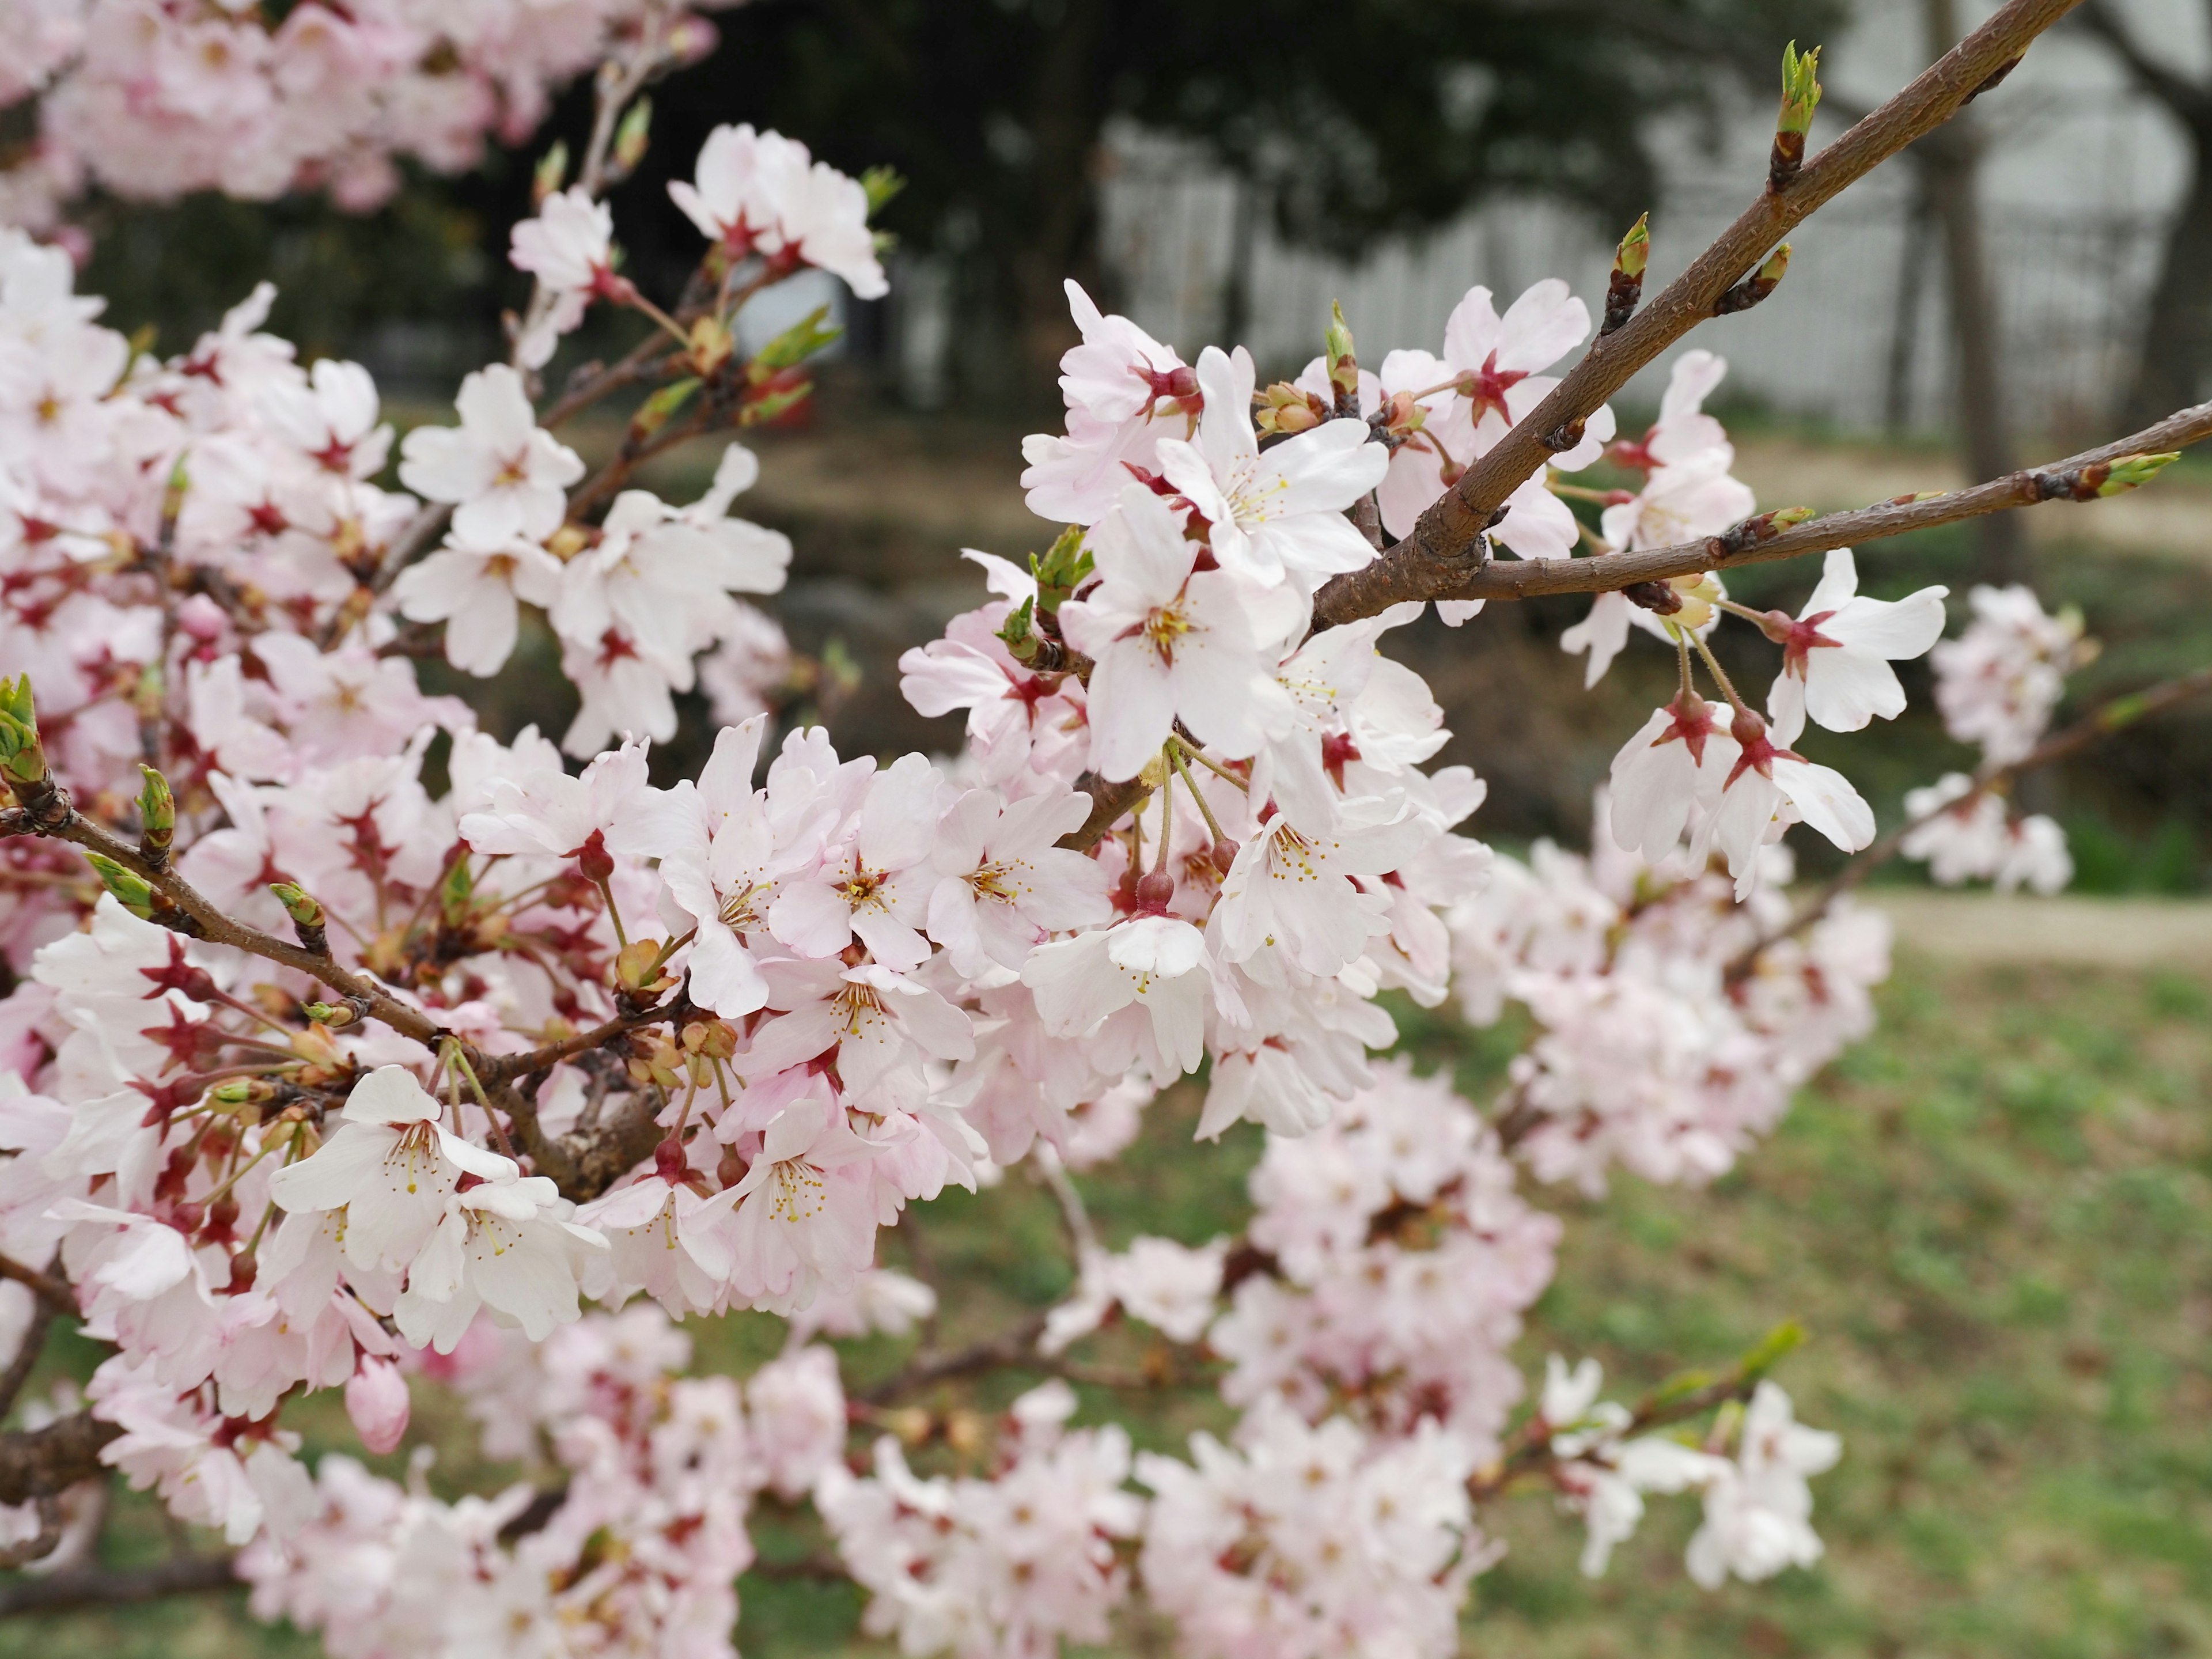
x=1438, y=557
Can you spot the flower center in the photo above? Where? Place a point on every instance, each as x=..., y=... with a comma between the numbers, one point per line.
x=1164, y=626
x=741, y=911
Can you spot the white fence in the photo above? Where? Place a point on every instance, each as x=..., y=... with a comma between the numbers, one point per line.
x=1193, y=254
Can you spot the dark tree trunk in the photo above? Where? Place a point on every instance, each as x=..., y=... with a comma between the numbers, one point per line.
x=1950, y=161
x=2177, y=344
x=1066, y=112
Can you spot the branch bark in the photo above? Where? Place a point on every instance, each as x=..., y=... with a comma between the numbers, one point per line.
x=189, y=1575
x=46, y=1462
x=1525, y=579
x=1437, y=558
x=218, y=929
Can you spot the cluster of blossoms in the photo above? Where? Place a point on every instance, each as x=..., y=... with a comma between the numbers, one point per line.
x=640, y=1554
x=156, y=99
x=1997, y=685
x=553, y=1037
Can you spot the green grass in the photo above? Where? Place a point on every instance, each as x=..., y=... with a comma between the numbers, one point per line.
x=1995, y=1217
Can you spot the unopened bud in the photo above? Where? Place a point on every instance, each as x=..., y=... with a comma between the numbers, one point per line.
x=131, y=890
x=157, y=817
x=1634, y=253
x=632, y=138
x=592, y=858
x=1757, y=286
x=1626, y=288
x=336, y=1015
x=2133, y=472
x=306, y=915
x=1801, y=96
x=376, y=1400
x=552, y=173
x=881, y=183
x=1343, y=359
x=22, y=759
x=298, y=903
x=243, y=1091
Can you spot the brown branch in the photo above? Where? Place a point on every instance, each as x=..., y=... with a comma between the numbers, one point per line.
x=43, y=1462
x=216, y=928
x=1016, y=1346
x=2115, y=715
x=499, y=1068
x=65, y=1592
x=1527, y=579
x=27, y=1351
x=1108, y=802
x=55, y=1292
x=1436, y=560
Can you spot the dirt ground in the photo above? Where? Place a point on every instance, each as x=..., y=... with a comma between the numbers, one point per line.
x=1985, y=929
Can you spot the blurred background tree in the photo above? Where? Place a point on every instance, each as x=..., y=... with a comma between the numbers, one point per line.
x=996, y=112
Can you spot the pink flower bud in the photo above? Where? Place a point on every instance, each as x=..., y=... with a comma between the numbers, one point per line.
x=376, y=1399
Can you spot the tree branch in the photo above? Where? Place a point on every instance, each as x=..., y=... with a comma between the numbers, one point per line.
x=54, y=1292
x=44, y=1462
x=1436, y=560
x=218, y=929
x=65, y=1592
x=1014, y=1347
x=1525, y=579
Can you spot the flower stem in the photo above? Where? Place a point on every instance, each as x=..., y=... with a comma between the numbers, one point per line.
x=1216, y=768
x=1719, y=674
x=1183, y=770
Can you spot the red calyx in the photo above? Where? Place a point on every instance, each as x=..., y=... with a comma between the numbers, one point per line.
x=1486, y=387
x=1692, y=723
x=177, y=974
x=1798, y=639
x=1176, y=383
x=1759, y=753
x=593, y=858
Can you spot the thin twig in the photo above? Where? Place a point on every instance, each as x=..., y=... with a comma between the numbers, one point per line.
x=1527, y=578
x=1435, y=559
x=2115, y=715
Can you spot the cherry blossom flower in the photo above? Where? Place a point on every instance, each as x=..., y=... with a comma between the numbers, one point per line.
x=1155, y=962
x=1280, y=513
x=764, y=193
x=392, y=1168
x=507, y=476
x=1170, y=642
x=1836, y=656
x=1758, y=1514
x=1007, y=886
